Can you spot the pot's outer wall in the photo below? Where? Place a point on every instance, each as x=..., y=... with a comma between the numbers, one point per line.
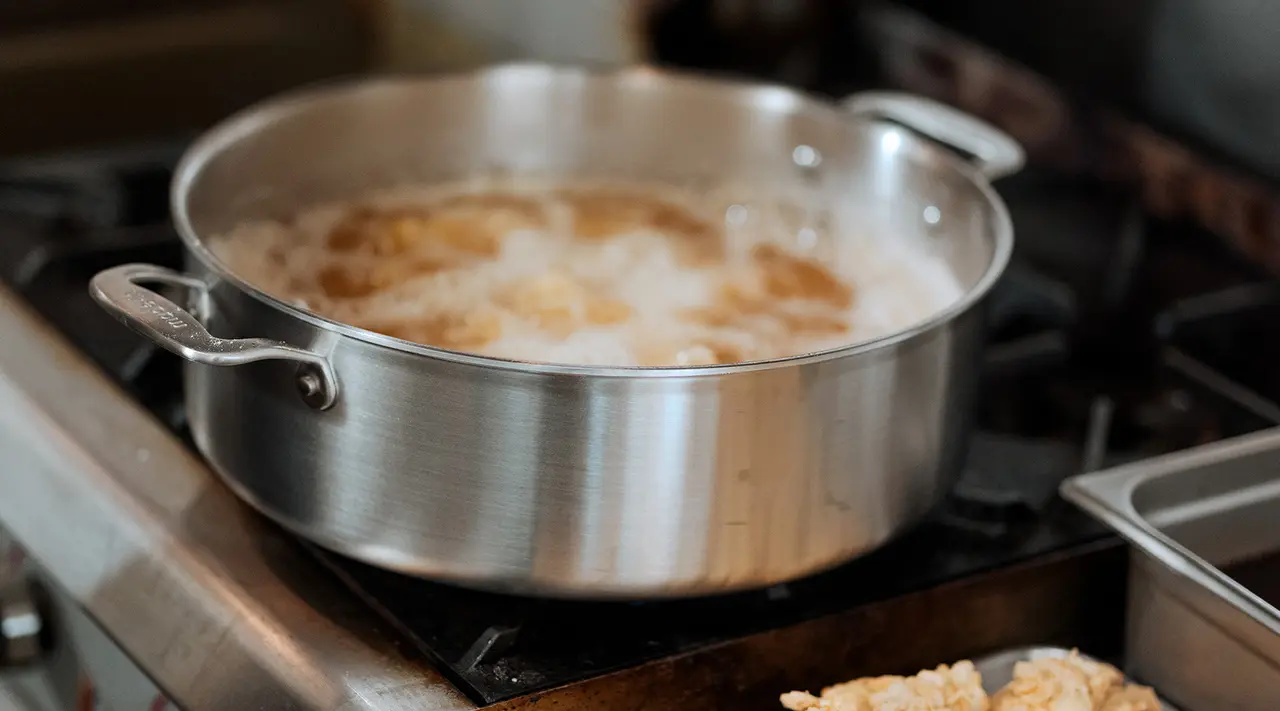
x=524, y=479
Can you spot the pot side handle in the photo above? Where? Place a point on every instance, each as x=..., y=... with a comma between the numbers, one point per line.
x=119, y=291
x=993, y=151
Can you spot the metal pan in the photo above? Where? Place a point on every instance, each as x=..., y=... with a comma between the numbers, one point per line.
x=1193, y=631
x=577, y=480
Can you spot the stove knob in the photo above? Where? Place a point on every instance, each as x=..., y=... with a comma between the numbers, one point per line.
x=23, y=628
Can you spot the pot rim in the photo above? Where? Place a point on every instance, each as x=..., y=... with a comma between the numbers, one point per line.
x=248, y=120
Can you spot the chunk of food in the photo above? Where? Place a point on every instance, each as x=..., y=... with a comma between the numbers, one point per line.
x=1132, y=697
x=560, y=305
x=787, y=276
x=470, y=330
x=745, y=304
x=814, y=324
x=585, y=273
x=340, y=281
x=954, y=688
x=607, y=312
x=474, y=329
x=350, y=232
x=555, y=302
x=464, y=224
x=1070, y=683
x=601, y=213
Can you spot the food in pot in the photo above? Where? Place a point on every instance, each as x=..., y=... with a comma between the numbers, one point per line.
x=1072, y=683
x=615, y=275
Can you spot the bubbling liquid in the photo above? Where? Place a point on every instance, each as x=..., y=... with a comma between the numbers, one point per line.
x=633, y=275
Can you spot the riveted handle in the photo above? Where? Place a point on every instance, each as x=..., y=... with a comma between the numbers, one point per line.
x=993, y=151
x=119, y=290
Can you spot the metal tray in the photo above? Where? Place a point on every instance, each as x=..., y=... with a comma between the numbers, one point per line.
x=1193, y=632
x=997, y=669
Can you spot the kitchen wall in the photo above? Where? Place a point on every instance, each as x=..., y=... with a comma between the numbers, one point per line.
x=435, y=34
x=84, y=78
x=88, y=73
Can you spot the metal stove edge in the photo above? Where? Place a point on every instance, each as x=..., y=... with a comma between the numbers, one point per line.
x=221, y=610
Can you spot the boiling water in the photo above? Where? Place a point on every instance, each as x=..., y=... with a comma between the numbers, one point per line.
x=592, y=275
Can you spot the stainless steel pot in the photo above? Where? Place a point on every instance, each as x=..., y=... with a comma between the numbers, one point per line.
x=578, y=481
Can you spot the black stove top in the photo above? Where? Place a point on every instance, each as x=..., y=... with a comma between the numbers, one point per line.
x=1112, y=338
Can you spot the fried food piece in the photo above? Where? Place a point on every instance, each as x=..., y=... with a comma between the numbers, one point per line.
x=739, y=299
x=467, y=331
x=607, y=312
x=814, y=324
x=954, y=688
x=560, y=305
x=468, y=224
x=473, y=330
x=553, y=301
x=338, y=281
x=1132, y=697
x=598, y=214
x=602, y=213
x=746, y=296
x=789, y=277
x=743, y=301
x=349, y=232
x=1070, y=683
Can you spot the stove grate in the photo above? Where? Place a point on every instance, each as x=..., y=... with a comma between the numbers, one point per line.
x=1112, y=338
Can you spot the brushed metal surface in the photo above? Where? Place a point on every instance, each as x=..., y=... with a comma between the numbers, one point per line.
x=224, y=612
x=120, y=291
x=572, y=481
x=1193, y=632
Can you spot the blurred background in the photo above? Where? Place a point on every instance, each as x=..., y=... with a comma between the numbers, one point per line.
x=76, y=72
x=1138, y=315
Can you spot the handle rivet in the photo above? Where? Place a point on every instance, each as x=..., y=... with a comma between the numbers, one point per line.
x=310, y=384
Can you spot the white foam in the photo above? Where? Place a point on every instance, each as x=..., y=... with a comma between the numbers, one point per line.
x=897, y=284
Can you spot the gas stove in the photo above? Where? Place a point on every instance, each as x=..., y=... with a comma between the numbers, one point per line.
x=1114, y=337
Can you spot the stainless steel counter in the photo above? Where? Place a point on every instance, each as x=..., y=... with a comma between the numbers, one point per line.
x=221, y=609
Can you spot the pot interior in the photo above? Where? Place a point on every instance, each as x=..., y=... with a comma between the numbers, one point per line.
x=872, y=180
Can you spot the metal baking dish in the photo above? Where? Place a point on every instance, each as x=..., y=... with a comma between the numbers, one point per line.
x=997, y=668
x=1193, y=632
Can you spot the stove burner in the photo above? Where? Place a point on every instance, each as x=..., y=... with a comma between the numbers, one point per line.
x=1111, y=338
x=1090, y=368
x=62, y=220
